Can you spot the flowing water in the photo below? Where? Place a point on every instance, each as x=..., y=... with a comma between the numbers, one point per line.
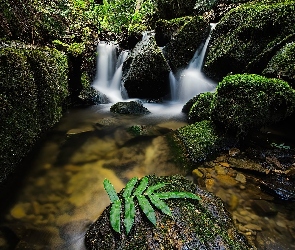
x=62, y=193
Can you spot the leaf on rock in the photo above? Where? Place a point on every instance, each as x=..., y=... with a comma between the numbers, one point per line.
x=129, y=213
x=178, y=195
x=129, y=187
x=152, y=189
x=115, y=215
x=147, y=209
x=160, y=204
x=142, y=186
x=108, y=186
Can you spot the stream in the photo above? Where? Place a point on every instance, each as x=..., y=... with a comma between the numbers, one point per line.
x=62, y=193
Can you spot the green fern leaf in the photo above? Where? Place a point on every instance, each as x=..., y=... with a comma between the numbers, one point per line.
x=129, y=187
x=177, y=195
x=142, y=186
x=129, y=213
x=152, y=189
x=147, y=209
x=110, y=190
x=115, y=215
x=160, y=204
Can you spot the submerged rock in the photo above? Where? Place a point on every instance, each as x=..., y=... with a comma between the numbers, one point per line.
x=145, y=72
x=132, y=108
x=203, y=224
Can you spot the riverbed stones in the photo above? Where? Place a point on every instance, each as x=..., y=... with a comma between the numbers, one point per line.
x=195, y=225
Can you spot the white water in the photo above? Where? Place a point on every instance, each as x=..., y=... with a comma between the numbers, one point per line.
x=109, y=71
x=192, y=80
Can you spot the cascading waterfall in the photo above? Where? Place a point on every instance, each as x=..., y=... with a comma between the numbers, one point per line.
x=192, y=80
x=109, y=71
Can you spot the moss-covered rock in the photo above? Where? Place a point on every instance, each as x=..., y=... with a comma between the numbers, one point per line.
x=166, y=29
x=145, y=71
x=129, y=108
x=203, y=224
x=246, y=101
x=182, y=47
x=198, y=142
x=248, y=36
x=201, y=109
x=91, y=96
x=282, y=65
x=33, y=90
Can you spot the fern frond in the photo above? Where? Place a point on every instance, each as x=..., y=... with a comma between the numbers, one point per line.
x=129, y=187
x=129, y=213
x=142, y=186
x=109, y=188
x=152, y=189
x=147, y=209
x=160, y=204
x=178, y=195
x=115, y=215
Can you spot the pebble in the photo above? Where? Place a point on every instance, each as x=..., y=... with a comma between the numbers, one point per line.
x=253, y=227
x=241, y=178
x=18, y=211
x=197, y=173
x=226, y=181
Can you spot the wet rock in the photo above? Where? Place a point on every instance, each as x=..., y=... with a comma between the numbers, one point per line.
x=145, y=72
x=268, y=241
x=127, y=108
x=182, y=47
x=264, y=208
x=196, y=225
x=90, y=96
x=241, y=178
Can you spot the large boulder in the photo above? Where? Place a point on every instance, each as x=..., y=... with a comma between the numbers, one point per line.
x=282, y=64
x=183, y=45
x=248, y=36
x=246, y=101
x=203, y=224
x=145, y=72
x=129, y=108
x=33, y=87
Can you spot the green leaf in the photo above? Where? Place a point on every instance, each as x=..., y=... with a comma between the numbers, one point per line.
x=129, y=213
x=142, y=186
x=115, y=215
x=151, y=189
x=129, y=187
x=147, y=209
x=109, y=188
x=160, y=204
x=178, y=195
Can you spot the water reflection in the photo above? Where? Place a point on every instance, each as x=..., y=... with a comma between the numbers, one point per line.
x=63, y=193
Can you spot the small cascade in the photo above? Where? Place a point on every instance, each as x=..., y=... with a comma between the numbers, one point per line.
x=192, y=80
x=173, y=86
x=109, y=71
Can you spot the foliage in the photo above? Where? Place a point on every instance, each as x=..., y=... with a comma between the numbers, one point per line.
x=246, y=101
x=146, y=198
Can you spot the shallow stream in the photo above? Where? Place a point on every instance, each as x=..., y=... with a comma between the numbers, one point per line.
x=63, y=191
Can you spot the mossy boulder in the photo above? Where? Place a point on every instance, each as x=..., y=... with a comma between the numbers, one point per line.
x=90, y=96
x=201, y=109
x=129, y=108
x=33, y=92
x=166, y=29
x=195, y=143
x=183, y=45
x=203, y=224
x=145, y=72
x=282, y=64
x=246, y=101
x=248, y=36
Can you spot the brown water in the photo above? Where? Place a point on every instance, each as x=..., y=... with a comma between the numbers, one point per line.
x=63, y=192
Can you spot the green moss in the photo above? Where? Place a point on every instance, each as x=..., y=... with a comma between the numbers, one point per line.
x=250, y=101
x=182, y=47
x=282, y=64
x=175, y=8
x=200, y=140
x=201, y=109
x=33, y=87
x=248, y=35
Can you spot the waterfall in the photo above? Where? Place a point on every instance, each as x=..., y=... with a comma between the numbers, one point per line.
x=109, y=71
x=192, y=80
